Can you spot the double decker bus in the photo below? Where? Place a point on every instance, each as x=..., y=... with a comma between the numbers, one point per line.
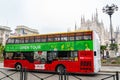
x=75, y=52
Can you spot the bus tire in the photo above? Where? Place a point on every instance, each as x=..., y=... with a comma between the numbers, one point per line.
x=18, y=66
x=60, y=69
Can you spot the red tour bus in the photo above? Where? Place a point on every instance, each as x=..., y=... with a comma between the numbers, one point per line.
x=75, y=52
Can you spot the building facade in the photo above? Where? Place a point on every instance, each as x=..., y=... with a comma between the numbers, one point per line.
x=24, y=30
x=4, y=34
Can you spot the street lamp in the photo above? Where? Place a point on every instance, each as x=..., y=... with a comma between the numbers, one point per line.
x=110, y=10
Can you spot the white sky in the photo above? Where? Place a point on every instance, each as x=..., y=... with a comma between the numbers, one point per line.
x=54, y=15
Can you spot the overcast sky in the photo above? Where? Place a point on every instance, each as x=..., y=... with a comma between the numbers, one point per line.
x=54, y=15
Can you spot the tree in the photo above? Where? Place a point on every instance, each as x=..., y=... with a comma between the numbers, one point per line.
x=1, y=49
x=102, y=48
x=114, y=47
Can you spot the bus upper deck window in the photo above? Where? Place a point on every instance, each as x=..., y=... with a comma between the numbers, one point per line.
x=43, y=39
x=21, y=40
x=50, y=38
x=17, y=41
x=10, y=40
x=71, y=38
x=26, y=40
x=64, y=38
x=57, y=37
x=87, y=37
x=37, y=39
x=31, y=39
x=79, y=37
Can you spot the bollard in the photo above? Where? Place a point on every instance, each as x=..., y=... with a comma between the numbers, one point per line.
x=117, y=75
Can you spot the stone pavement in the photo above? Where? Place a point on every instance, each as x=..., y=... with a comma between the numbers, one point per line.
x=1, y=65
x=110, y=69
x=103, y=68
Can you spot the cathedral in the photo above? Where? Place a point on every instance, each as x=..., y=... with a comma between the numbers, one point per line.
x=98, y=26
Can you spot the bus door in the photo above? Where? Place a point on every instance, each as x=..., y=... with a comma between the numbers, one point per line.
x=51, y=56
x=86, y=61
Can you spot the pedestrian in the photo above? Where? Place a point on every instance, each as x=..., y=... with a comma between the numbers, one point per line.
x=107, y=54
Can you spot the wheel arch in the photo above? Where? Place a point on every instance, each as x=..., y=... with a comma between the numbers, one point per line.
x=58, y=66
x=18, y=63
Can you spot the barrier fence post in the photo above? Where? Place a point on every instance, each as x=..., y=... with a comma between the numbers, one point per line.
x=25, y=74
x=117, y=75
x=60, y=76
x=21, y=74
x=65, y=75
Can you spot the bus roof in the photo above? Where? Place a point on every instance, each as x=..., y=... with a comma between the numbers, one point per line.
x=30, y=35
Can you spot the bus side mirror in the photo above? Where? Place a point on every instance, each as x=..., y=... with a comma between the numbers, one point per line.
x=95, y=53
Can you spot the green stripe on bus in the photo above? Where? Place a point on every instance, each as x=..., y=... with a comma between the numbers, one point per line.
x=51, y=46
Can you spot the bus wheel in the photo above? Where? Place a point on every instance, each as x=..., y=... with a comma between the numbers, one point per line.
x=60, y=69
x=18, y=66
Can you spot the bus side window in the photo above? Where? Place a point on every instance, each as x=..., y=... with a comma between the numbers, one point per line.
x=71, y=37
x=87, y=36
x=64, y=38
x=75, y=55
x=79, y=36
x=57, y=37
x=17, y=41
x=31, y=39
x=8, y=55
x=50, y=38
x=43, y=38
x=21, y=40
x=27, y=40
x=37, y=38
x=11, y=40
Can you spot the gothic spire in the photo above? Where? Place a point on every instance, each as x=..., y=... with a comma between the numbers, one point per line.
x=92, y=18
x=75, y=26
x=82, y=19
x=96, y=15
